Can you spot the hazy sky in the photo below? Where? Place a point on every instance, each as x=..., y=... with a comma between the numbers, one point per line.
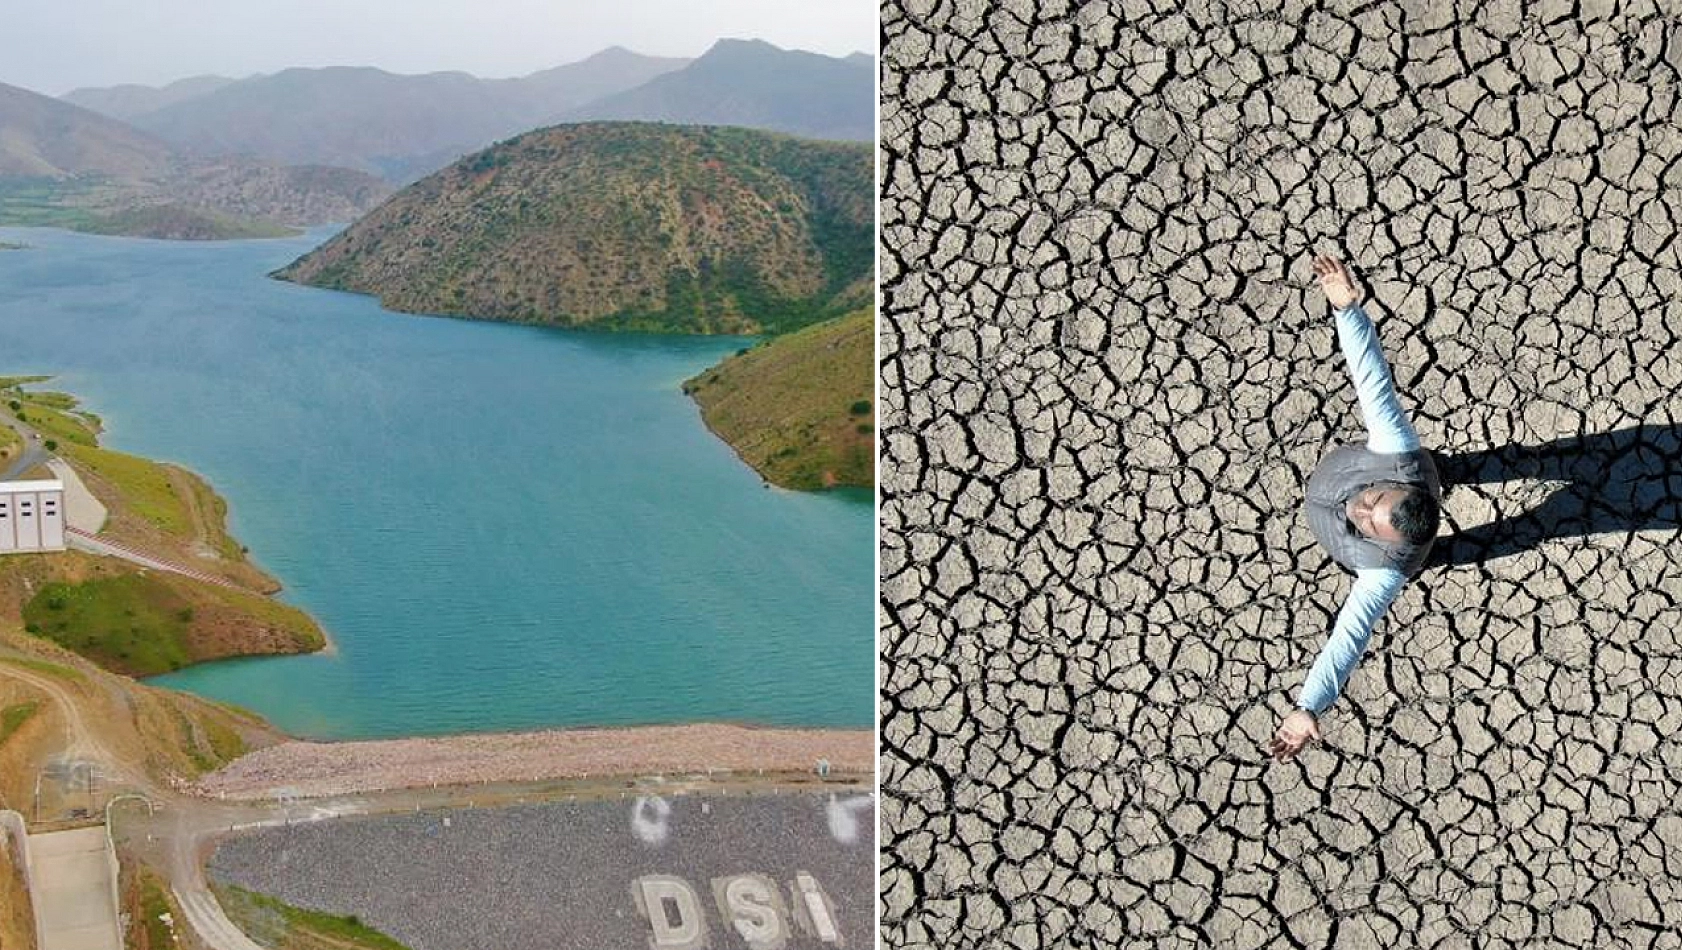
x=53, y=46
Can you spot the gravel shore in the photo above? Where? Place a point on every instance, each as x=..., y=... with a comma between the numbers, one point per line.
x=339, y=768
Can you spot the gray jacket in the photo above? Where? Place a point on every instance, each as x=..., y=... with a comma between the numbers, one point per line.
x=1349, y=470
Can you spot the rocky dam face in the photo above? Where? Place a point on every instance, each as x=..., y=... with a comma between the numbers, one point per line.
x=1106, y=377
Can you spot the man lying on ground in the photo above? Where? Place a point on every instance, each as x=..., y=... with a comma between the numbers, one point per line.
x=1373, y=507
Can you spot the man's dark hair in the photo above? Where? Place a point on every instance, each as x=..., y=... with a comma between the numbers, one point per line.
x=1415, y=517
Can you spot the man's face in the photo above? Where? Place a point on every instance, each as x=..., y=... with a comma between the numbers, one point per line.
x=1369, y=512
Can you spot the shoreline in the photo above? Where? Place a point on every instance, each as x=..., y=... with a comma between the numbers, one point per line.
x=310, y=769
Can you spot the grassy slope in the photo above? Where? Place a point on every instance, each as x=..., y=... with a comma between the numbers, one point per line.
x=277, y=924
x=797, y=408
x=134, y=621
x=144, y=624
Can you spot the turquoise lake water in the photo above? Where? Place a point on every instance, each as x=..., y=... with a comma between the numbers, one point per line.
x=500, y=527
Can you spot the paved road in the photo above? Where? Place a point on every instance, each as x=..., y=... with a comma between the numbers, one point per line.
x=661, y=872
x=34, y=453
x=206, y=919
x=32, y=456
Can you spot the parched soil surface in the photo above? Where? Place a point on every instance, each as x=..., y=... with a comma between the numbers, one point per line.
x=1107, y=377
x=336, y=768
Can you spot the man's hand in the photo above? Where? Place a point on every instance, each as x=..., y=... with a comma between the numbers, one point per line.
x=1337, y=282
x=1296, y=731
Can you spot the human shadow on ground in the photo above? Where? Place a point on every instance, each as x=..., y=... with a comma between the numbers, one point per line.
x=1624, y=480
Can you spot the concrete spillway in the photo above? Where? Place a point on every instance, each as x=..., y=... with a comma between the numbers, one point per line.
x=73, y=879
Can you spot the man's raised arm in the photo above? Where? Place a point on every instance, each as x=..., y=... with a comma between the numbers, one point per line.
x=1388, y=428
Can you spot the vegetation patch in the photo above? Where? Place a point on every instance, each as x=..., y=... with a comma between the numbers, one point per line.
x=212, y=515
x=143, y=624
x=48, y=203
x=133, y=624
x=153, y=920
x=275, y=923
x=14, y=716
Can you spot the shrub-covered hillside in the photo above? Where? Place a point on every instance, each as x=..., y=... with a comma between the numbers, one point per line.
x=622, y=226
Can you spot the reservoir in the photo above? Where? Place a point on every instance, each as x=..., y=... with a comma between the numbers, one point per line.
x=500, y=527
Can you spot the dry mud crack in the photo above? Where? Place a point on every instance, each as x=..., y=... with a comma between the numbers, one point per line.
x=1104, y=385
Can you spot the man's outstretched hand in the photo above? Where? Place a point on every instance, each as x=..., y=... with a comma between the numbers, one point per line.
x=1337, y=282
x=1296, y=731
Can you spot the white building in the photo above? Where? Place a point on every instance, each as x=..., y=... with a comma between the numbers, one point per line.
x=31, y=516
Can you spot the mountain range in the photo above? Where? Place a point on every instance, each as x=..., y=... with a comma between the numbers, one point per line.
x=67, y=166
x=637, y=226
x=42, y=137
x=401, y=127
x=752, y=84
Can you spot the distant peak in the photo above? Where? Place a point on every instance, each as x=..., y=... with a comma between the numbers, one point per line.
x=737, y=50
x=732, y=45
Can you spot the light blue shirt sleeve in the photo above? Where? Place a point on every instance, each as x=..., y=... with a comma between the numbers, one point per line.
x=1375, y=589
x=1388, y=428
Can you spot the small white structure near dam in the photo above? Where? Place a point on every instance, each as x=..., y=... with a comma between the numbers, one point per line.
x=31, y=516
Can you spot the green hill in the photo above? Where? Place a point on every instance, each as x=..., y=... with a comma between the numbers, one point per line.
x=626, y=226
x=798, y=408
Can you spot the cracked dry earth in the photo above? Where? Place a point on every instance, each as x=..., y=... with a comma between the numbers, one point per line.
x=1105, y=381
